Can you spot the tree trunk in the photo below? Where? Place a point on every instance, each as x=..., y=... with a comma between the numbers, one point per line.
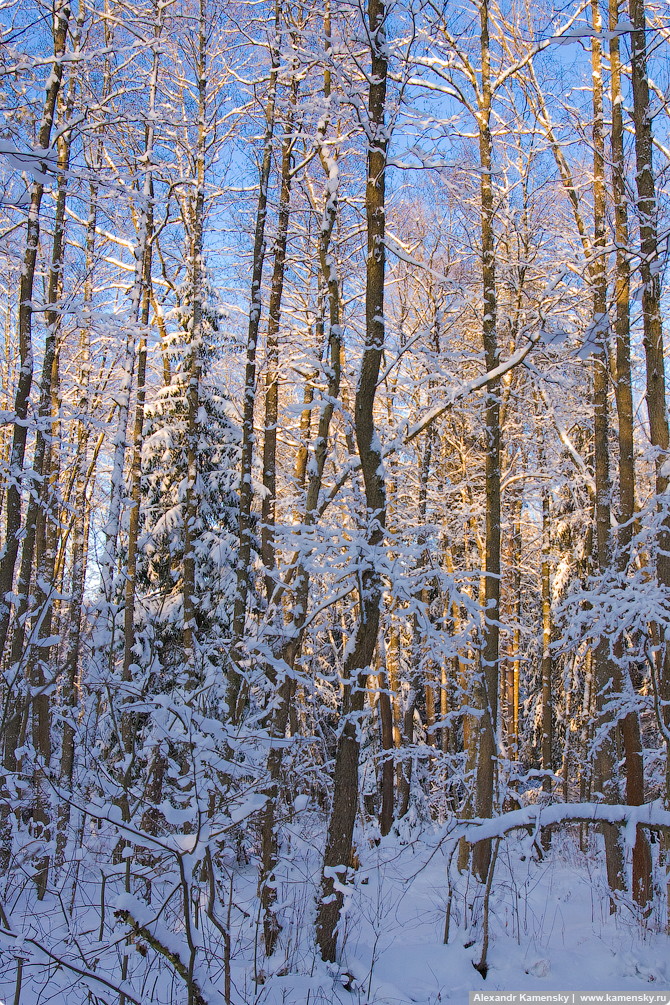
x=388, y=746
x=268, y=505
x=516, y=673
x=345, y=781
x=630, y=726
x=80, y=531
x=22, y=398
x=606, y=773
x=196, y=347
x=650, y=271
x=487, y=694
x=547, y=662
x=244, y=523
x=295, y=630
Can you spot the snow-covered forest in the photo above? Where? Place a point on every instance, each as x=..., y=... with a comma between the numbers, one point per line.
x=334, y=500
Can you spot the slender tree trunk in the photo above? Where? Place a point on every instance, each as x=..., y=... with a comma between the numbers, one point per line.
x=345, y=781
x=516, y=664
x=22, y=398
x=39, y=501
x=193, y=390
x=547, y=662
x=606, y=773
x=301, y=587
x=650, y=271
x=388, y=746
x=268, y=505
x=405, y=772
x=79, y=544
x=146, y=222
x=488, y=695
x=630, y=726
x=244, y=529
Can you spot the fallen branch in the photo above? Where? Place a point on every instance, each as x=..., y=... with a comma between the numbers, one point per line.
x=650, y=815
x=143, y=932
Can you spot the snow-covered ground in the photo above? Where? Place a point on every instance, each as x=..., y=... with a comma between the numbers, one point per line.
x=551, y=931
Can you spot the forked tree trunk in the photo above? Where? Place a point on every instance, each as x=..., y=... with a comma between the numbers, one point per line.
x=298, y=621
x=41, y=531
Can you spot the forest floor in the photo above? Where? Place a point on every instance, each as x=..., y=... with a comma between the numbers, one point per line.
x=551, y=931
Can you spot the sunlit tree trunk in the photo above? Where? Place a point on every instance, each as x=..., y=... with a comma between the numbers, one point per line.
x=630, y=725
x=487, y=692
x=650, y=272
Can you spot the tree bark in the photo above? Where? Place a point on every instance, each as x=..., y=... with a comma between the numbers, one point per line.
x=488, y=692
x=547, y=662
x=22, y=397
x=606, y=773
x=630, y=726
x=195, y=366
x=268, y=505
x=650, y=272
x=345, y=781
x=246, y=494
x=301, y=588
